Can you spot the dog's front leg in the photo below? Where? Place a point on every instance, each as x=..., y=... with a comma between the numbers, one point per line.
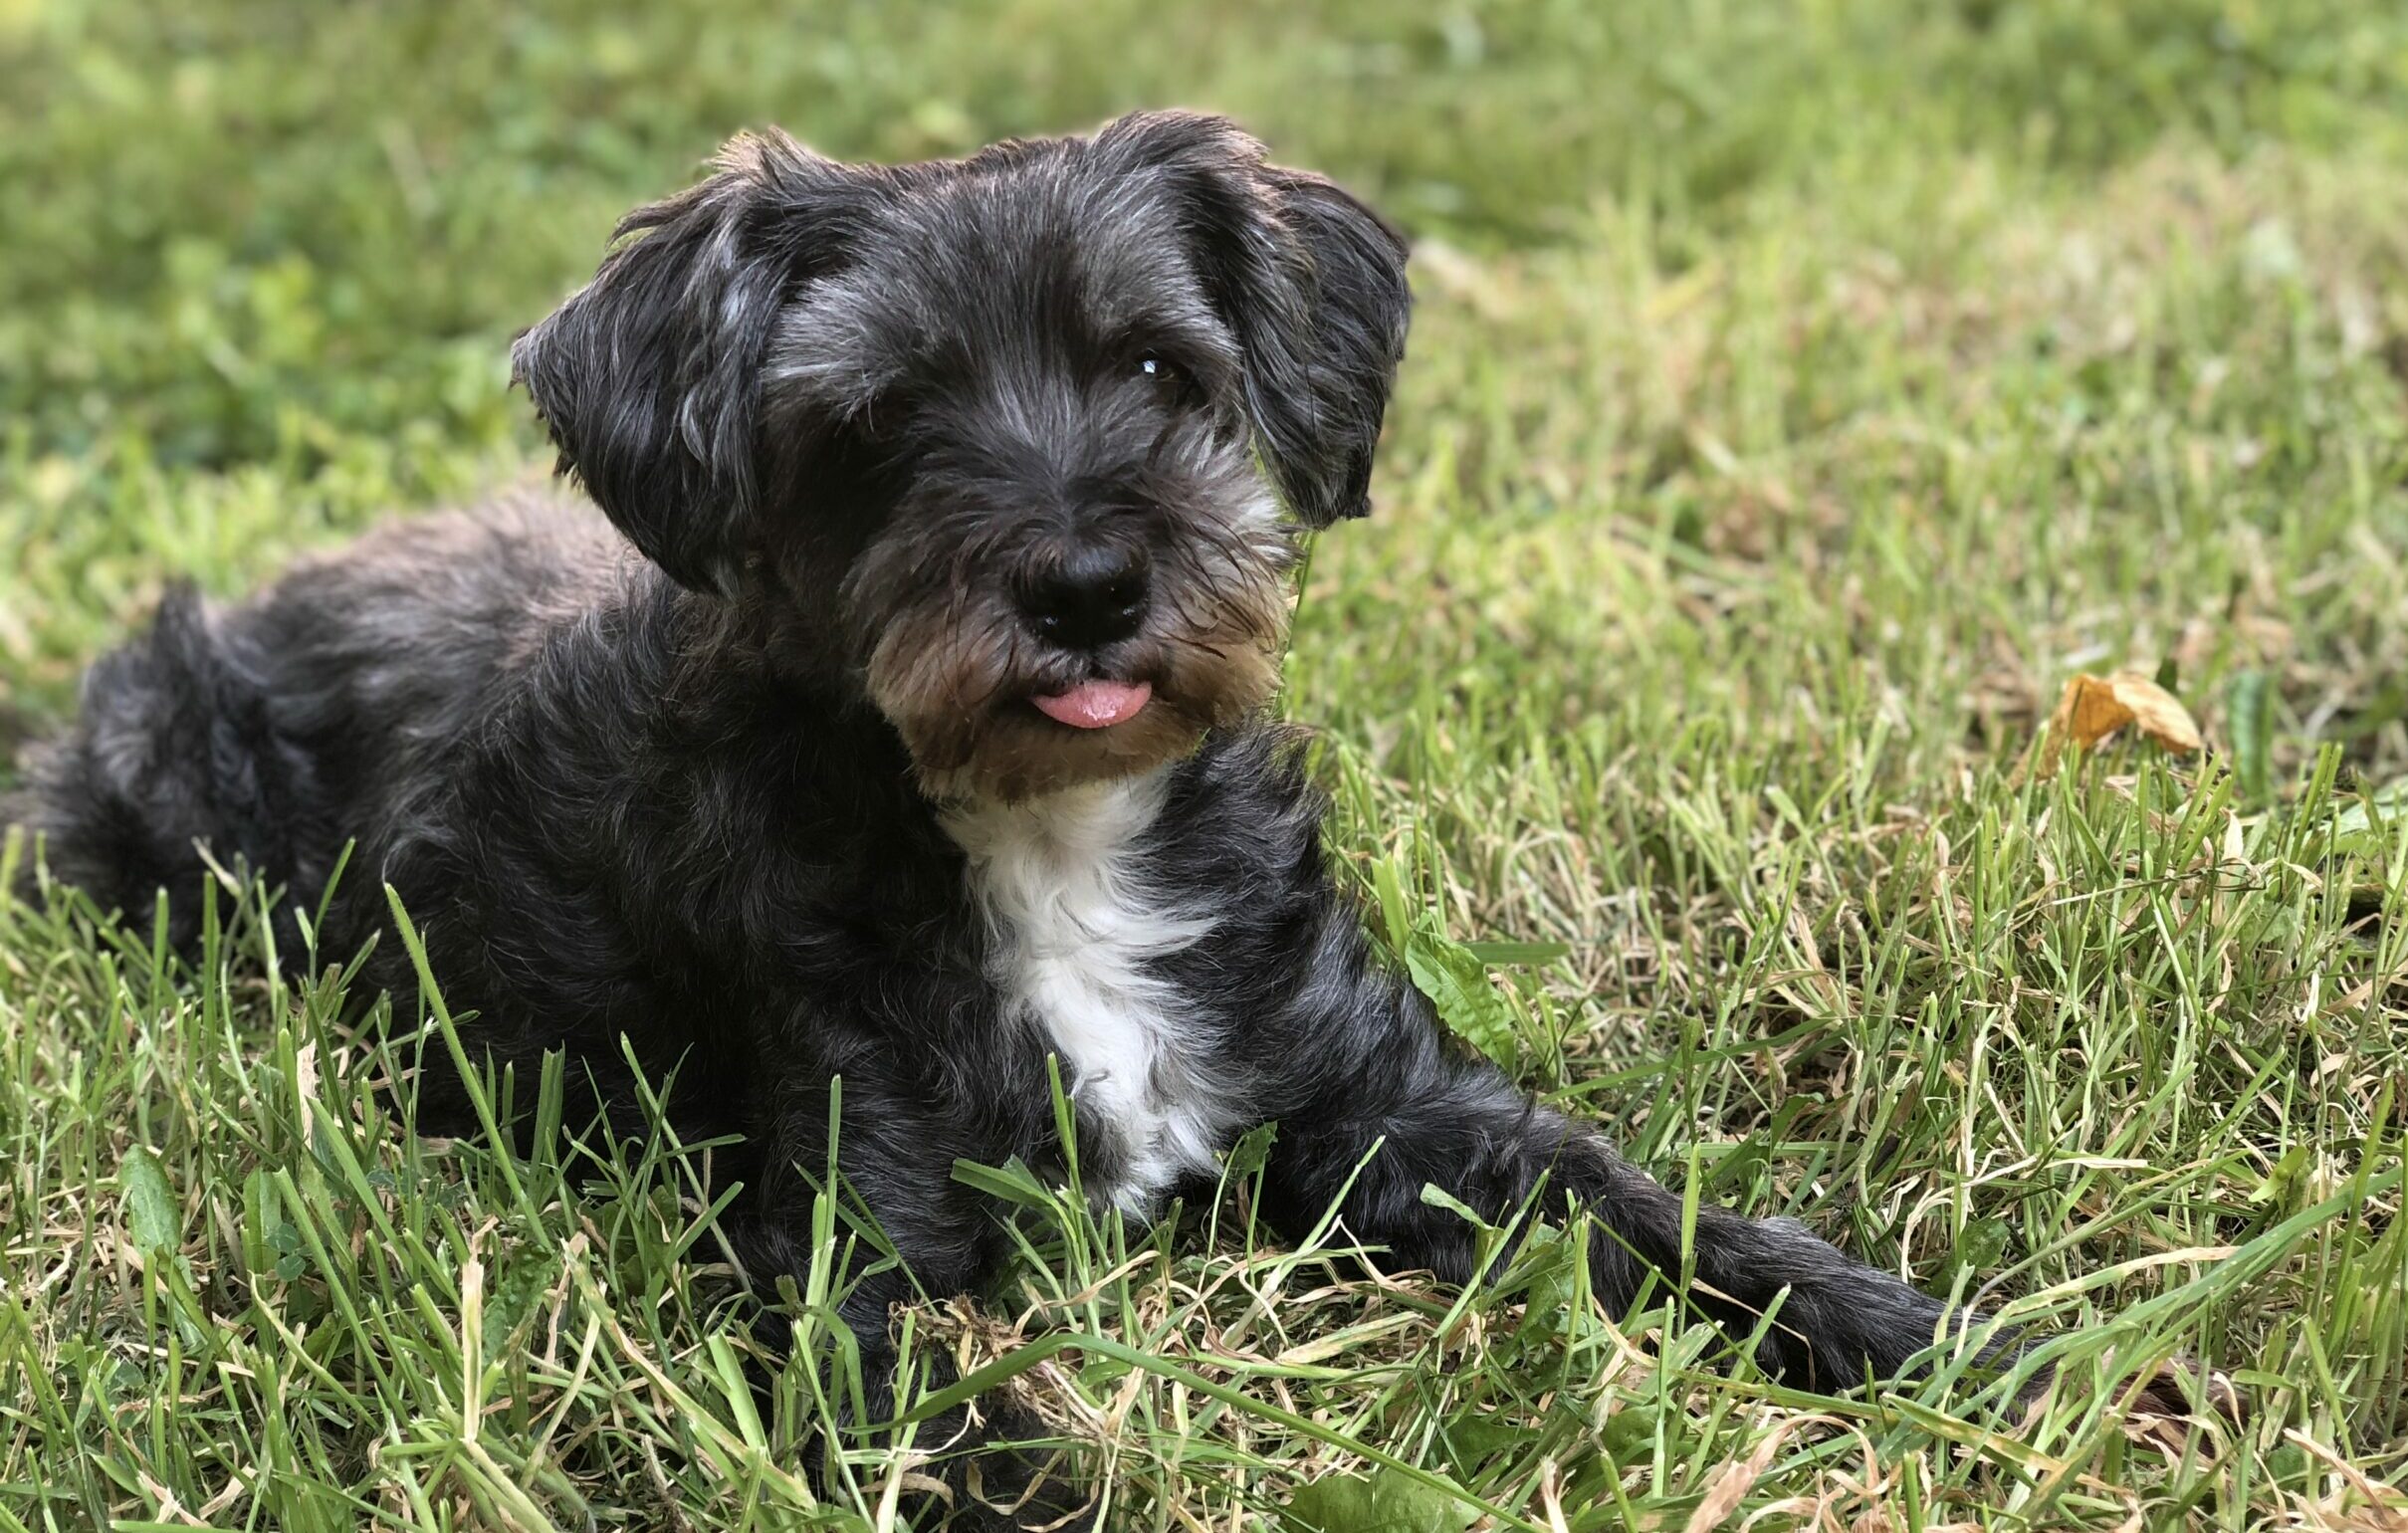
x=1380, y=1076
x=895, y=1156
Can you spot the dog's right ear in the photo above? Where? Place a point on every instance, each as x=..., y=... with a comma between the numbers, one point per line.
x=647, y=377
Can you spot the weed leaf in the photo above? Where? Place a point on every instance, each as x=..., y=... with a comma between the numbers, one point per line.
x=1457, y=983
x=2366, y=826
x=150, y=1215
x=1382, y=1501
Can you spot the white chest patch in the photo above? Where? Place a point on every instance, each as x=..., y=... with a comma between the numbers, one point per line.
x=1076, y=935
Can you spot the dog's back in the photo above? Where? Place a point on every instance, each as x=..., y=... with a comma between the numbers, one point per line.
x=263, y=735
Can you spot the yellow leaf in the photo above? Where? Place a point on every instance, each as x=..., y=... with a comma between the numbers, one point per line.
x=2087, y=713
x=2094, y=706
x=1732, y=1479
x=2156, y=712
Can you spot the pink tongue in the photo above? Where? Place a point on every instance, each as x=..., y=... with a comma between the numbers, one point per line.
x=1092, y=705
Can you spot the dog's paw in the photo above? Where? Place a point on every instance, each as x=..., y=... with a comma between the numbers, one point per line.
x=1011, y=1492
x=1009, y=1488
x=2175, y=1395
x=2180, y=1388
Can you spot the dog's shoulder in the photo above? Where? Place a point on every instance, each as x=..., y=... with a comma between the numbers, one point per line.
x=1244, y=811
x=1258, y=772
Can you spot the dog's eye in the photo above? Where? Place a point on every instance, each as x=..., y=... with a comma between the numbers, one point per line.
x=1174, y=382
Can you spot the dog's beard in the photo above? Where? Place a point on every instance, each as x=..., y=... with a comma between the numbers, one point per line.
x=957, y=673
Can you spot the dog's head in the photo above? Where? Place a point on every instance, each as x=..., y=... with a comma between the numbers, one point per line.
x=1023, y=440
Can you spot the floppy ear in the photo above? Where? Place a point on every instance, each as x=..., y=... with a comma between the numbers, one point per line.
x=1322, y=341
x=1312, y=283
x=647, y=377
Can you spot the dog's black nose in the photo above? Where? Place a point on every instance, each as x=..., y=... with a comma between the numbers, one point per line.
x=1093, y=597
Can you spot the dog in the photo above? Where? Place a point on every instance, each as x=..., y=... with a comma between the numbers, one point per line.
x=901, y=719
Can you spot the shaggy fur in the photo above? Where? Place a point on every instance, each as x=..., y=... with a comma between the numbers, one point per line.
x=751, y=777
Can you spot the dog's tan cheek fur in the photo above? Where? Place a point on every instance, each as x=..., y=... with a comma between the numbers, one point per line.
x=938, y=678
x=925, y=684
x=1230, y=666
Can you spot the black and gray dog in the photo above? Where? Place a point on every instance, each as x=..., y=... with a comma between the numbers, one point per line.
x=904, y=723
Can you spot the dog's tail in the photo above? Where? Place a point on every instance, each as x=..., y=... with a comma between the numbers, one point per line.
x=174, y=763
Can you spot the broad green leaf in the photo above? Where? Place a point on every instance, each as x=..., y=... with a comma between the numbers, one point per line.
x=1382, y=1501
x=2370, y=824
x=1457, y=983
x=151, y=1212
x=1475, y=1438
x=1251, y=1153
x=2280, y=1183
x=1979, y=1249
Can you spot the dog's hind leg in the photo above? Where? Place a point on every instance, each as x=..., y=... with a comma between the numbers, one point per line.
x=174, y=751
x=1458, y=1123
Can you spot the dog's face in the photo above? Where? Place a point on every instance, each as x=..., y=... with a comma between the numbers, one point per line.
x=1022, y=442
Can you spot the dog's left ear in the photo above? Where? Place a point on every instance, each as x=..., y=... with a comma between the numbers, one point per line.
x=647, y=377
x=1312, y=283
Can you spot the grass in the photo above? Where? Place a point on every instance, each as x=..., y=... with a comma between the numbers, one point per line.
x=1799, y=396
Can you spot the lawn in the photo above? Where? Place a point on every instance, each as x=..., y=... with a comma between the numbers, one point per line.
x=1800, y=396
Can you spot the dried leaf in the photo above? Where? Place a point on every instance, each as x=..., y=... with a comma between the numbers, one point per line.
x=2094, y=706
x=304, y=1089
x=2157, y=712
x=1733, y=1479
